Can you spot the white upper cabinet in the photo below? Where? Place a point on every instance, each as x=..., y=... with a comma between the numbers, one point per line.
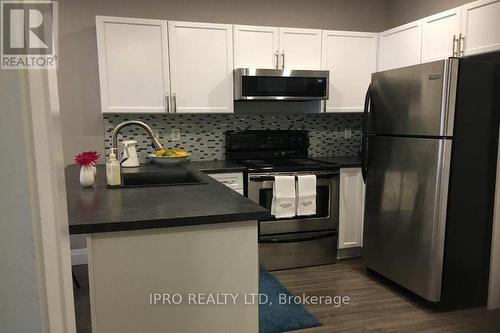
x=351, y=58
x=440, y=35
x=300, y=48
x=201, y=62
x=400, y=46
x=481, y=26
x=255, y=46
x=133, y=64
x=470, y=29
x=279, y=48
x=351, y=208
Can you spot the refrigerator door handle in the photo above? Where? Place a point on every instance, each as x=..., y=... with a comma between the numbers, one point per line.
x=364, y=139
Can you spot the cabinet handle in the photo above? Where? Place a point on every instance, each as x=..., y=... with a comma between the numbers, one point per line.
x=455, y=46
x=461, y=45
x=283, y=60
x=276, y=59
x=174, y=98
x=166, y=103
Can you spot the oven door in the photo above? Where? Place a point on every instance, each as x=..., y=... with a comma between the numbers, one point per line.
x=260, y=190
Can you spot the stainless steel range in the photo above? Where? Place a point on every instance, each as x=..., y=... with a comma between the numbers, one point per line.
x=291, y=242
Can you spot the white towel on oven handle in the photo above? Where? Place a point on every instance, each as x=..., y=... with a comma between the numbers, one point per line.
x=284, y=200
x=306, y=195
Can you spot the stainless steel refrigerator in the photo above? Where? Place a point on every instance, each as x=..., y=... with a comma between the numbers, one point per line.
x=429, y=159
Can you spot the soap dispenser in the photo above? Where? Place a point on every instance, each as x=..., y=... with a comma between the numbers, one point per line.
x=130, y=159
x=113, y=172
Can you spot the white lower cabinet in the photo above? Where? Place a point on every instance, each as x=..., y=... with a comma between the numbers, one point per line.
x=233, y=180
x=351, y=58
x=351, y=208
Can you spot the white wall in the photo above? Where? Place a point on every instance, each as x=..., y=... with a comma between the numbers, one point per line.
x=36, y=293
x=21, y=308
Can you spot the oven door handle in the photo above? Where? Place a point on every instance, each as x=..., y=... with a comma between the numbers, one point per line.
x=261, y=178
x=271, y=178
x=279, y=239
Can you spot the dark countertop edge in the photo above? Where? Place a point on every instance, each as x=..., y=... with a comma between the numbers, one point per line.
x=168, y=223
x=341, y=161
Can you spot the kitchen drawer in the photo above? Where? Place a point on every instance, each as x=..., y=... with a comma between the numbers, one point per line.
x=233, y=180
x=303, y=249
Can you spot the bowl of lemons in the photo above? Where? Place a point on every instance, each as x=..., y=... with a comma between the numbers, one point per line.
x=169, y=157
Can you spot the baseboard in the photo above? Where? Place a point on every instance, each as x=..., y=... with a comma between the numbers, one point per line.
x=351, y=252
x=79, y=256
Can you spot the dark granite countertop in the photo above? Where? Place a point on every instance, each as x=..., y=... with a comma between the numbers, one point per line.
x=342, y=161
x=102, y=209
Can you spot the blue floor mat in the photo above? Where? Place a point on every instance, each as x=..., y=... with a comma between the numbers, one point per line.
x=275, y=317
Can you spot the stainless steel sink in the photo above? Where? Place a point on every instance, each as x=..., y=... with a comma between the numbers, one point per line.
x=159, y=176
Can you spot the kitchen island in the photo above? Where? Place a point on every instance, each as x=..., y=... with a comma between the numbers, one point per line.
x=148, y=245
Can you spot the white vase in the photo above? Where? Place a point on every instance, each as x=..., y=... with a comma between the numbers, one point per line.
x=87, y=176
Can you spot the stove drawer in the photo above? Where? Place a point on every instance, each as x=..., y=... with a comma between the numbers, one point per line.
x=286, y=251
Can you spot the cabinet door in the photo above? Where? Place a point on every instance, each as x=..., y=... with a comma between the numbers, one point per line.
x=481, y=26
x=351, y=208
x=255, y=47
x=133, y=64
x=201, y=67
x=351, y=58
x=233, y=180
x=300, y=48
x=400, y=47
x=438, y=33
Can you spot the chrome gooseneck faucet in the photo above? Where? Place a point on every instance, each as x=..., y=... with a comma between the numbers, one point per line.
x=114, y=136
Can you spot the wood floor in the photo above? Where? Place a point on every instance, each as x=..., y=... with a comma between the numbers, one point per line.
x=373, y=306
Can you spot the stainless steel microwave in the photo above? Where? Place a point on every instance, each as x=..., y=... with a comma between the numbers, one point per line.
x=280, y=84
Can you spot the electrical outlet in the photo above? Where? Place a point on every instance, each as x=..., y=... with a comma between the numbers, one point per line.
x=175, y=134
x=347, y=133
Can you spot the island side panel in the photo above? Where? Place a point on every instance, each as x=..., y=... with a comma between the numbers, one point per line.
x=125, y=267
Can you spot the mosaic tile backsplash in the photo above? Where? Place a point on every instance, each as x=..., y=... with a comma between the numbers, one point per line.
x=203, y=134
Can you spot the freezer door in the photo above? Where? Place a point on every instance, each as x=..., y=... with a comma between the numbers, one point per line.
x=416, y=100
x=405, y=211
